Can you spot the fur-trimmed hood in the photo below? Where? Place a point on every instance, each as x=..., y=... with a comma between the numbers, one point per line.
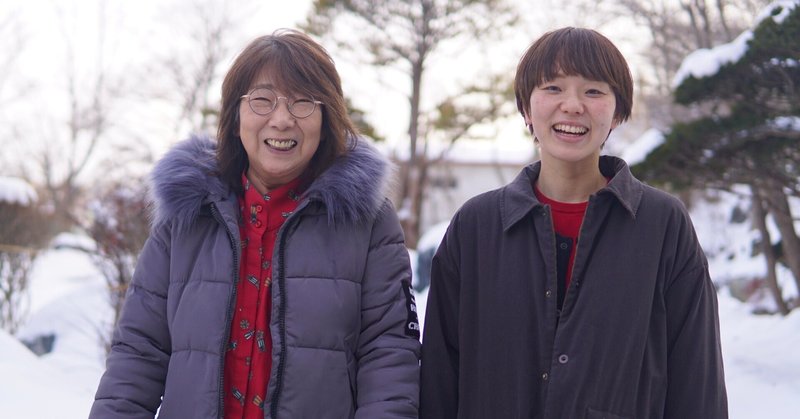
x=182, y=182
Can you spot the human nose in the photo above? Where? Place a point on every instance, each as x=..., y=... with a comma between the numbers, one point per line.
x=281, y=117
x=572, y=103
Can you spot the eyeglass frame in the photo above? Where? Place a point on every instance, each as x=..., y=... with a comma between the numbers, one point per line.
x=278, y=99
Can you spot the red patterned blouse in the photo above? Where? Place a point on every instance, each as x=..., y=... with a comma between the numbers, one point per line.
x=249, y=357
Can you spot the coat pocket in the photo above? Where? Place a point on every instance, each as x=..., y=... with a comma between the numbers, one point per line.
x=597, y=414
x=316, y=385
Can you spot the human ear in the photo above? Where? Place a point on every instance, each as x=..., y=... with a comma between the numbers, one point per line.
x=528, y=123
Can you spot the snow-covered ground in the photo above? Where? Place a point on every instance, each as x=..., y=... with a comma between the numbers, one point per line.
x=67, y=297
x=762, y=362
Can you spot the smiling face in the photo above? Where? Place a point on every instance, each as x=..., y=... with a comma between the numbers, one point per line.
x=572, y=117
x=593, y=73
x=279, y=146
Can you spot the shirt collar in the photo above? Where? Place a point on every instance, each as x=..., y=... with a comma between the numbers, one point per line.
x=280, y=202
x=518, y=198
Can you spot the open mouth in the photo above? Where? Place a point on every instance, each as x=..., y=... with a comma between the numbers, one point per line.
x=570, y=129
x=278, y=144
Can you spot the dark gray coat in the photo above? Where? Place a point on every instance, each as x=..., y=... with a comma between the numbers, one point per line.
x=341, y=345
x=638, y=336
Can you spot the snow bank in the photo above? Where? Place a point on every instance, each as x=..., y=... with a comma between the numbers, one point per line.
x=30, y=389
x=762, y=365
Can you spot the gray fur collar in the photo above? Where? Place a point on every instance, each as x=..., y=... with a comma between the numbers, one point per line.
x=182, y=182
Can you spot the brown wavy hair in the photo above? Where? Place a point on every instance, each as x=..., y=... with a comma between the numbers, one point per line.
x=296, y=63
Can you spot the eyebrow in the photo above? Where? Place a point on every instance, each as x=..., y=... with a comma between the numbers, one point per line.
x=262, y=85
x=564, y=76
x=290, y=95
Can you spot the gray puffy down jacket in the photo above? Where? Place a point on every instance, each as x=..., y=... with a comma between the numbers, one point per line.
x=341, y=308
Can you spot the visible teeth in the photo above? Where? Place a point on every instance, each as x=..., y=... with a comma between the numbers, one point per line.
x=281, y=144
x=572, y=129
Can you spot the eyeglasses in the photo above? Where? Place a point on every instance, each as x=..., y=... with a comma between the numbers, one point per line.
x=263, y=101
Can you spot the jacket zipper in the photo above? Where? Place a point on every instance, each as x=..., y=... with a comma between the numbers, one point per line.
x=229, y=312
x=281, y=250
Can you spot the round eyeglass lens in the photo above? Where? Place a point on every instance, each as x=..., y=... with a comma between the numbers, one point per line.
x=302, y=108
x=262, y=101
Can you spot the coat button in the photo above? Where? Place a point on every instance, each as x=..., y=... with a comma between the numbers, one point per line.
x=563, y=358
x=563, y=246
x=545, y=376
x=548, y=293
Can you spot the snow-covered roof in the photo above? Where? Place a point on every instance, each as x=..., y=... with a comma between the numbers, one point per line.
x=16, y=191
x=706, y=62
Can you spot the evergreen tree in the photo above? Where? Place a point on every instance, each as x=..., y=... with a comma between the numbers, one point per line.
x=748, y=132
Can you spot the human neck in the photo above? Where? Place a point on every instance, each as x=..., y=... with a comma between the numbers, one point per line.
x=570, y=184
x=258, y=182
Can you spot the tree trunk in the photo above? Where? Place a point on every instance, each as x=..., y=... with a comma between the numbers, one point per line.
x=411, y=175
x=760, y=220
x=723, y=20
x=417, y=198
x=778, y=206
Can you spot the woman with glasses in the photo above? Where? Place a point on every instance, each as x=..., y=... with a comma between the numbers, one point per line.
x=275, y=282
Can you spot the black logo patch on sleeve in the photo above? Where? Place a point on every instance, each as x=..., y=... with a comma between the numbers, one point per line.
x=412, y=321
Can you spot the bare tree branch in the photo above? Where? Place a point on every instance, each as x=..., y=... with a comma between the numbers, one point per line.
x=404, y=35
